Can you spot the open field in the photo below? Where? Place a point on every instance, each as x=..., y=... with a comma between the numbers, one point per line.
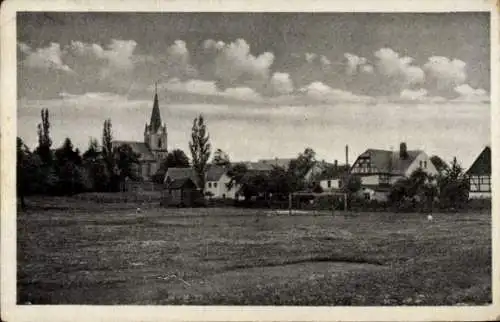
x=70, y=252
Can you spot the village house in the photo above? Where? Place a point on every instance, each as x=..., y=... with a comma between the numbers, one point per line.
x=216, y=180
x=479, y=175
x=380, y=169
x=153, y=149
x=181, y=193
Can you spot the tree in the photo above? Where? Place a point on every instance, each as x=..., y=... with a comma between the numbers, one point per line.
x=108, y=154
x=97, y=170
x=126, y=160
x=453, y=186
x=200, y=149
x=175, y=159
x=29, y=173
x=301, y=165
x=71, y=176
x=44, y=140
x=221, y=158
x=440, y=164
x=236, y=172
x=418, y=190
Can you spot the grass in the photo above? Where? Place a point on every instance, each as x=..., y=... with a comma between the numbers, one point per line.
x=76, y=252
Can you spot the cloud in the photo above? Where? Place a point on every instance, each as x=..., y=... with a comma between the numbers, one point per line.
x=469, y=94
x=193, y=86
x=235, y=65
x=281, y=83
x=310, y=57
x=413, y=95
x=392, y=65
x=242, y=93
x=368, y=69
x=209, y=88
x=178, y=61
x=445, y=73
x=325, y=61
x=45, y=58
x=353, y=62
x=321, y=92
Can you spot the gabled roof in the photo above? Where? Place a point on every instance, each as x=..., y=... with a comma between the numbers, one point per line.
x=138, y=147
x=179, y=173
x=482, y=165
x=389, y=161
x=215, y=172
x=182, y=183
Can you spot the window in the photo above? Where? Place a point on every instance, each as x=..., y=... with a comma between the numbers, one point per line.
x=367, y=196
x=425, y=164
x=329, y=183
x=420, y=164
x=215, y=184
x=159, y=143
x=384, y=179
x=209, y=185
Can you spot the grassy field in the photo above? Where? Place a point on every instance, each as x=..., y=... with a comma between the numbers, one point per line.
x=74, y=252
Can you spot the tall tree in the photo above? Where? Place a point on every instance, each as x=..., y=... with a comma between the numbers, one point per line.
x=107, y=149
x=221, y=158
x=72, y=177
x=200, y=149
x=44, y=140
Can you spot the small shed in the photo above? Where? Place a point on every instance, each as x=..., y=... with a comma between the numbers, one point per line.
x=180, y=193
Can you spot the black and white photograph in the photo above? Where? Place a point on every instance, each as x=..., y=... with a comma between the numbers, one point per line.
x=279, y=158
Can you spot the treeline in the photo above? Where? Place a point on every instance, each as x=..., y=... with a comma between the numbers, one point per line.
x=67, y=171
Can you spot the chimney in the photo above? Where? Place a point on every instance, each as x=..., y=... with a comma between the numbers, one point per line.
x=347, y=155
x=403, y=151
x=335, y=164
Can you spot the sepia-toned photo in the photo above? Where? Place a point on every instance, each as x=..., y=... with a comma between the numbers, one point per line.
x=253, y=158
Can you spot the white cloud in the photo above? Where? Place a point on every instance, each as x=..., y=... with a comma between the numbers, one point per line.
x=281, y=83
x=233, y=61
x=310, y=57
x=391, y=64
x=321, y=92
x=368, y=69
x=193, y=86
x=49, y=57
x=325, y=61
x=412, y=95
x=448, y=73
x=353, y=63
x=242, y=93
x=469, y=94
x=209, y=88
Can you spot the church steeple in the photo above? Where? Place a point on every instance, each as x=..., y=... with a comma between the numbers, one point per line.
x=155, y=123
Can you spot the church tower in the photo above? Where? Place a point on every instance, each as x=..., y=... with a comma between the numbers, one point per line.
x=155, y=134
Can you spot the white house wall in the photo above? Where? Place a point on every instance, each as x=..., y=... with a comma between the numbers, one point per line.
x=430, y=169
x=334, y=184
x=221, y=190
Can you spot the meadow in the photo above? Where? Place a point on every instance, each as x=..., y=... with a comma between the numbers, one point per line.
x=76, y=252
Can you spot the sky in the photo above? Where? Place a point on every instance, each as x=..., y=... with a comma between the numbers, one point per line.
x=268, y=84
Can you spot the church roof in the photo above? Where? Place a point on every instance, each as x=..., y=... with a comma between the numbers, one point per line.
x=155, y=122
x=140, y=148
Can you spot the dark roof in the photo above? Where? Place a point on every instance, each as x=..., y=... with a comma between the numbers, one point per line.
x=389, y=161
x=182, y=183
x=138, y=147
x=482, y=165
x=180, y=173
x=279, y=162
x=155, y=122
x=214, y=172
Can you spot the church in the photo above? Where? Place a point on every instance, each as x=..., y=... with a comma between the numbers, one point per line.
x=154, y=147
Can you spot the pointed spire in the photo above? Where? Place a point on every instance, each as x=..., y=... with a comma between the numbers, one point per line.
x=155, y=122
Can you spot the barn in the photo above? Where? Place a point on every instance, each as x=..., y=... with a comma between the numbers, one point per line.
x=181, y=193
